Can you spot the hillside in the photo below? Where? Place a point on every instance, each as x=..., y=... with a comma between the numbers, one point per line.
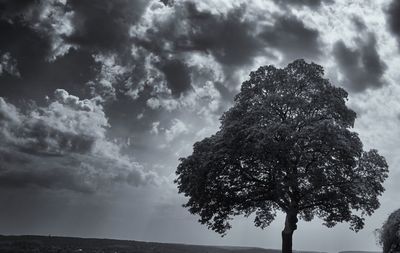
x=53, y=244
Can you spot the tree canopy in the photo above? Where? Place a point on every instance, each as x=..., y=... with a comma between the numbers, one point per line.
x=286, y=144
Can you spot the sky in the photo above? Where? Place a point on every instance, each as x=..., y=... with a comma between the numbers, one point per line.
x=99, y=99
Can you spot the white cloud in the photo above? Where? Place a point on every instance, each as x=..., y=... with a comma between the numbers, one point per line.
x=140, y=116
x=54, y=20
x=112, y=74
x=155, y=127
x=64, y=145
x=177, y=128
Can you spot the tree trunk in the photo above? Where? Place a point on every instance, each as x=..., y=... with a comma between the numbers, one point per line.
x=287, y=233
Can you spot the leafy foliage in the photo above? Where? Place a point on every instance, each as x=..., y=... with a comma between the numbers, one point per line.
x=285, y=145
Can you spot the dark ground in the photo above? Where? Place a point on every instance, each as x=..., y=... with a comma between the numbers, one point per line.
x=55, y=244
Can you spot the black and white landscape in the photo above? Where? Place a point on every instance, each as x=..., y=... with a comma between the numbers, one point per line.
x=99, y=99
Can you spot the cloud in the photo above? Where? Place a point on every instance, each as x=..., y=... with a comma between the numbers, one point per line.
x=121, y=47
x=177, y=75
x=185, y=28
x=167, y=2
x=25, y=44
x=232, y=49
x=111, y=75
x=170, y=40
x=313, y=4
x=51, y=19
x=393, y=20
x=63, y=146
x=168, y=104
x=171, y=33
x=154, y=127
x=32, y=34
x=202, y=100
x=42, y=35
x=177, y=128
x=10, y=8
x=71, y=72
x=362, y=68
x=8, y=65
x=104, y=26
x=292, y=38
x=359, y=23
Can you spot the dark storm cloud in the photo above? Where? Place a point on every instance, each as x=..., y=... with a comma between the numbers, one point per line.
x=47, y=21
x=29, y=43
x=103, y=28
x=314, y=4
x=11, y=8
x=63, y=146
x=38, y=77
x=177, y=76
x=232, y=39
x=29, y=49
x=292, y=38
x=33, y=36
x=393, y=20
x=167, y=2
x=104, y=25
x=362, y=67
x=26, y=45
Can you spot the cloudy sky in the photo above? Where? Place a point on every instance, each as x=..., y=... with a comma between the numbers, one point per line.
x=99, y=99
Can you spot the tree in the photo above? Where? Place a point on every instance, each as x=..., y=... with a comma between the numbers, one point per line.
x=389, y=234
x=285, y=145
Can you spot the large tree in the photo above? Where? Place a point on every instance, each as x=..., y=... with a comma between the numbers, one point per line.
x=285, y=145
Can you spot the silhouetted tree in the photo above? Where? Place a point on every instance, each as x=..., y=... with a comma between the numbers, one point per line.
x=284, y=145
x=389, y=234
